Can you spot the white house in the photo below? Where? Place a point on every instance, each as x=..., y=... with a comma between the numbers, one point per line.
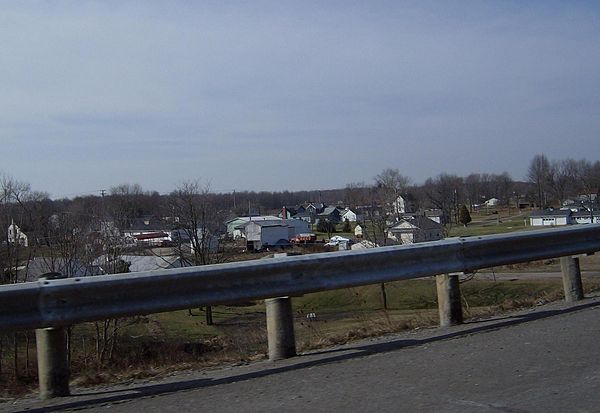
x=16, y=236
x=551, y=217
x=348, y=214
x=403, y=204
x=585, y=217
x=492, y=202
x=415, y=229
x=358, y=231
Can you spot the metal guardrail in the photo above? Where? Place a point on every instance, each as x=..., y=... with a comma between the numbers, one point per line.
x=54, y=303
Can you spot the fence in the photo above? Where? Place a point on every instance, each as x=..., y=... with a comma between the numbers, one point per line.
x=51, y=304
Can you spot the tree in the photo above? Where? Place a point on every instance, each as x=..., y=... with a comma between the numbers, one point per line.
x=17, y=207
x=464, y=217
x=473, y=189
x=562, y=178
x=588, y=176
x=538, y=174
x=197, y=221
x=393, y=184
x=325, y=225
x=502, y=187
x=445, y=192
x=347, y=227
x=357, y=194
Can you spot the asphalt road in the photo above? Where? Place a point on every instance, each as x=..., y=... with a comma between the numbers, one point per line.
x=541, y=360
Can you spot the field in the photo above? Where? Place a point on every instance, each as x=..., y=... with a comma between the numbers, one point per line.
x=487, y=222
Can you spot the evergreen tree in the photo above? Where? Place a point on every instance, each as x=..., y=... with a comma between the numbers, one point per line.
x=347, y=227
x=464, y=217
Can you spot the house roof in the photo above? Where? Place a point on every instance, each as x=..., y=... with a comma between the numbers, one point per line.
x=585, y=214
x=151, y=262
x=552, y=213
x=434, y=213
x=292, y=210
x=420, y=222
x=304, y=214
x=268, y=223
x=364, y=244
x=252, y=218
x=151, y=235
x=39, y=266
x=329, y=210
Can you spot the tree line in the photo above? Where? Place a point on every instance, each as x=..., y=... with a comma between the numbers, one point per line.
x=556, y=180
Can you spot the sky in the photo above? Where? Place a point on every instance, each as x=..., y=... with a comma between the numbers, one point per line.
x=291, y=95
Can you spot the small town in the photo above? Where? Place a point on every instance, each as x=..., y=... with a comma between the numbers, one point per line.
x=299, y=206
x=128, y=229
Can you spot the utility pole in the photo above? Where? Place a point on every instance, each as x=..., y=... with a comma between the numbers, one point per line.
x=102, y=207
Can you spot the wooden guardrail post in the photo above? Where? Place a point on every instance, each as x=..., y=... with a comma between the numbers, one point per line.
x=571, y=276
x=449, y=305
x=52, y=357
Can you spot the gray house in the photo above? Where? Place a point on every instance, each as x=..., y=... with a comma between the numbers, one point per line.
x=264, y=234
x=273, y=233
x=331, y=213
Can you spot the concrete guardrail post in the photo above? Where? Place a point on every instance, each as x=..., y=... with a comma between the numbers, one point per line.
x=52, y=357
x=280, y=328
x=53, y=364
x=449, y=305
x=571, y=276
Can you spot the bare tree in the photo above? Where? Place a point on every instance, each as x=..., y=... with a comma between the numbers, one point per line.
x=375, y=227
x=392, y=185
x=561, y=178
x=16, y=199
x=124, y=204
x=538, y=174
x=357, y=194
x=502, y=187
x=445, y=192
x=588, y=176
x=197, y=222
x=473, y=189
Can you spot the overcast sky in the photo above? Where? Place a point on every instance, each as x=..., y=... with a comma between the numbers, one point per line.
x=299, y=95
